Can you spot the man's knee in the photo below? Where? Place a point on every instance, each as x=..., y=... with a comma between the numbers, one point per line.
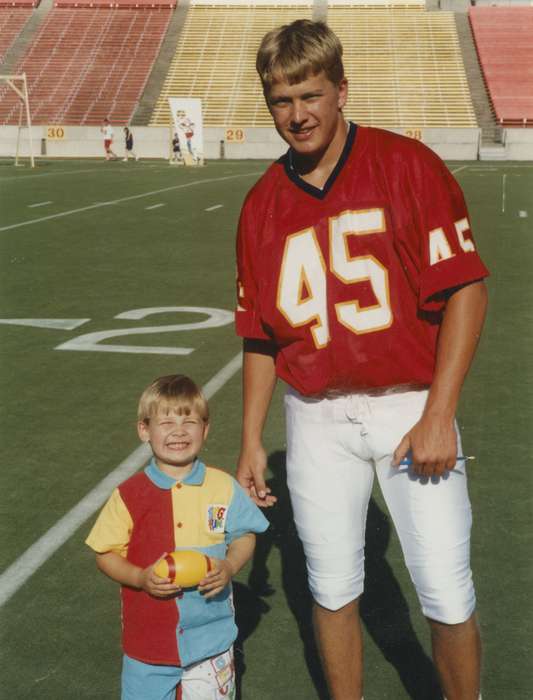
x=456, y=629
x=335, y=594
x=445, y=589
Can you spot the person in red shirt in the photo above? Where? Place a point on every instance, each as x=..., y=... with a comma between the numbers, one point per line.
x=359, y=284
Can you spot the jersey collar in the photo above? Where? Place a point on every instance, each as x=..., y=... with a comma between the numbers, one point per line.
x=194, y=478
x=316, y=192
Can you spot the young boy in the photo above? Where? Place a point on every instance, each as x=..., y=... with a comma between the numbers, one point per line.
x=128, y=143
x=176, y=150
x=177, y=643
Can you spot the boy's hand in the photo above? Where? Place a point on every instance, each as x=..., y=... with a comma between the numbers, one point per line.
x=217, y=579
x=156, y=586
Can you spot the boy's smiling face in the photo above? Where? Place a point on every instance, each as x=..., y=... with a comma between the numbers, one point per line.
x=175, y=438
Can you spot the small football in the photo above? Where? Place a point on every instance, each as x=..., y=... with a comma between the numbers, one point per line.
x=186, y=568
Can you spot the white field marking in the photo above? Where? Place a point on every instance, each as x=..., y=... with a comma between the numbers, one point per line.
x=155, y=206
x=217, y=206
x=522, y=214
x=64, y=324
x=58, y=172
x=97, y=205
x=91, y=341
x=41, y=550
x=457, y=170
x=39, y=204
x=504, y=178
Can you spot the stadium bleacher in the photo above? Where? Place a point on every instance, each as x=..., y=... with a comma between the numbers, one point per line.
x=404, y=64
x=405, y=67
x=504, y=43
x=87, y=64
x=215, y=60
x=12, y=20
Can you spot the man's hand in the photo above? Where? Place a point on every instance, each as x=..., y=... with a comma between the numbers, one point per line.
x=156, y=586
x=251, y=476
x=432, y=444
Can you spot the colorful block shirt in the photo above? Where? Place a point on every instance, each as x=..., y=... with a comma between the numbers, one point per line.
x=151, y=514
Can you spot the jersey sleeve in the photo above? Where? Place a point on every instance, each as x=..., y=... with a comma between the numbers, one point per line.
x=243, y=515
x=112, y=529
x=447, y=253
x=247, y=314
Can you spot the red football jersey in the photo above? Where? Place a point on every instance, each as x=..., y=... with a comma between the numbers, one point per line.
x=349, y=280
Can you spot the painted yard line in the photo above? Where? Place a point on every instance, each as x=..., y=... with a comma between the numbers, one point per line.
x=39, y=204
x=57, y=172
x=41, y=550
x=156, y=206
x=457, y=170
x=217, y=206
x=504, y=177
x=109, y=203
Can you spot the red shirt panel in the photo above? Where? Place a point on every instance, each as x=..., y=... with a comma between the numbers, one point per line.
x=148, y=624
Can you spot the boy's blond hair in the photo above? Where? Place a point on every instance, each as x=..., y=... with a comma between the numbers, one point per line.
x=294, y=52
x=174, y=393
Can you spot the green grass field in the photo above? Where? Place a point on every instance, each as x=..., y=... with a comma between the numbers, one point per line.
x=83, y=243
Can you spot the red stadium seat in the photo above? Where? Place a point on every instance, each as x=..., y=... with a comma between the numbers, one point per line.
x=503, y=37
x=12, y=21
x=87, y=64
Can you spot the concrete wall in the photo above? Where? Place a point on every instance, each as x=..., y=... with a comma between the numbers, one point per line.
x=518, y=144
x=258, y=143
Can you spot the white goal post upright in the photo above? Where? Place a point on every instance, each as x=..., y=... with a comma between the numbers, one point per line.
x=22, y=92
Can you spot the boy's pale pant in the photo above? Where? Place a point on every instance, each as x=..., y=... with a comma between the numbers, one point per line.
x=211, y=679
x=334, y=446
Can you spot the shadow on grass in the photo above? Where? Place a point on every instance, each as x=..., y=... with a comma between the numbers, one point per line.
x=384, y=610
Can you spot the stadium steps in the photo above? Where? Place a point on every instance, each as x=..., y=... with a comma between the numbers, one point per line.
x=25, y=38
x=491, y=133
x=142, y=114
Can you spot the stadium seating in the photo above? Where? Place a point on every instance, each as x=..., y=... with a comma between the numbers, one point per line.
x=87, y=64
x=504, y=42
x=12, y=20
x=404, y=64
x=215, y=60
x=405, y=67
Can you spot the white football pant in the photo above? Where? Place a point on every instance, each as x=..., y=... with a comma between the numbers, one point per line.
x=334, y=445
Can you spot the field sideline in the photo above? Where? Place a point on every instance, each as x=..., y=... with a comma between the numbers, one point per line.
x=114, y=273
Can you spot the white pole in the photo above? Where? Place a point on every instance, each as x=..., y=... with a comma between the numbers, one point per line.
x=18, y=135
x=28, y=118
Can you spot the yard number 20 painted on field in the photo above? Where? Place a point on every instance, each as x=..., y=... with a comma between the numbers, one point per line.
x=92, y=342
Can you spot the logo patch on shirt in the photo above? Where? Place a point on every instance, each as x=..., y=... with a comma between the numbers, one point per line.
x=216, y=517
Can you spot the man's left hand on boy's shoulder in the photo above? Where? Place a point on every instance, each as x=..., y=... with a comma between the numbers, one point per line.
x=217, y=579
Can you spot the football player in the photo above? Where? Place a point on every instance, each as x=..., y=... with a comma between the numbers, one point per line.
x=359, y=284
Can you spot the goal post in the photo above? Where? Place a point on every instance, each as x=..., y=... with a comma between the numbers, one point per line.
x=19, y=84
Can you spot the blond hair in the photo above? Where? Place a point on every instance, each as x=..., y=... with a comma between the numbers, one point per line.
x=294, y=52
x=174, y=393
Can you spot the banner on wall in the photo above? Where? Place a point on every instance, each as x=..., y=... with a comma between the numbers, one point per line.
x=188, y=126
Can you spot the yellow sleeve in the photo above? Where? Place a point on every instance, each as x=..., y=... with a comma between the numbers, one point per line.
x=112, y=529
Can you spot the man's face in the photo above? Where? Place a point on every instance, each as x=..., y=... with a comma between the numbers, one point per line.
x=307, y=114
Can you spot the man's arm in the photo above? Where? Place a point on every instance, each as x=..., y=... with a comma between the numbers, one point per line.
x=432, y=441
x=259, y=380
